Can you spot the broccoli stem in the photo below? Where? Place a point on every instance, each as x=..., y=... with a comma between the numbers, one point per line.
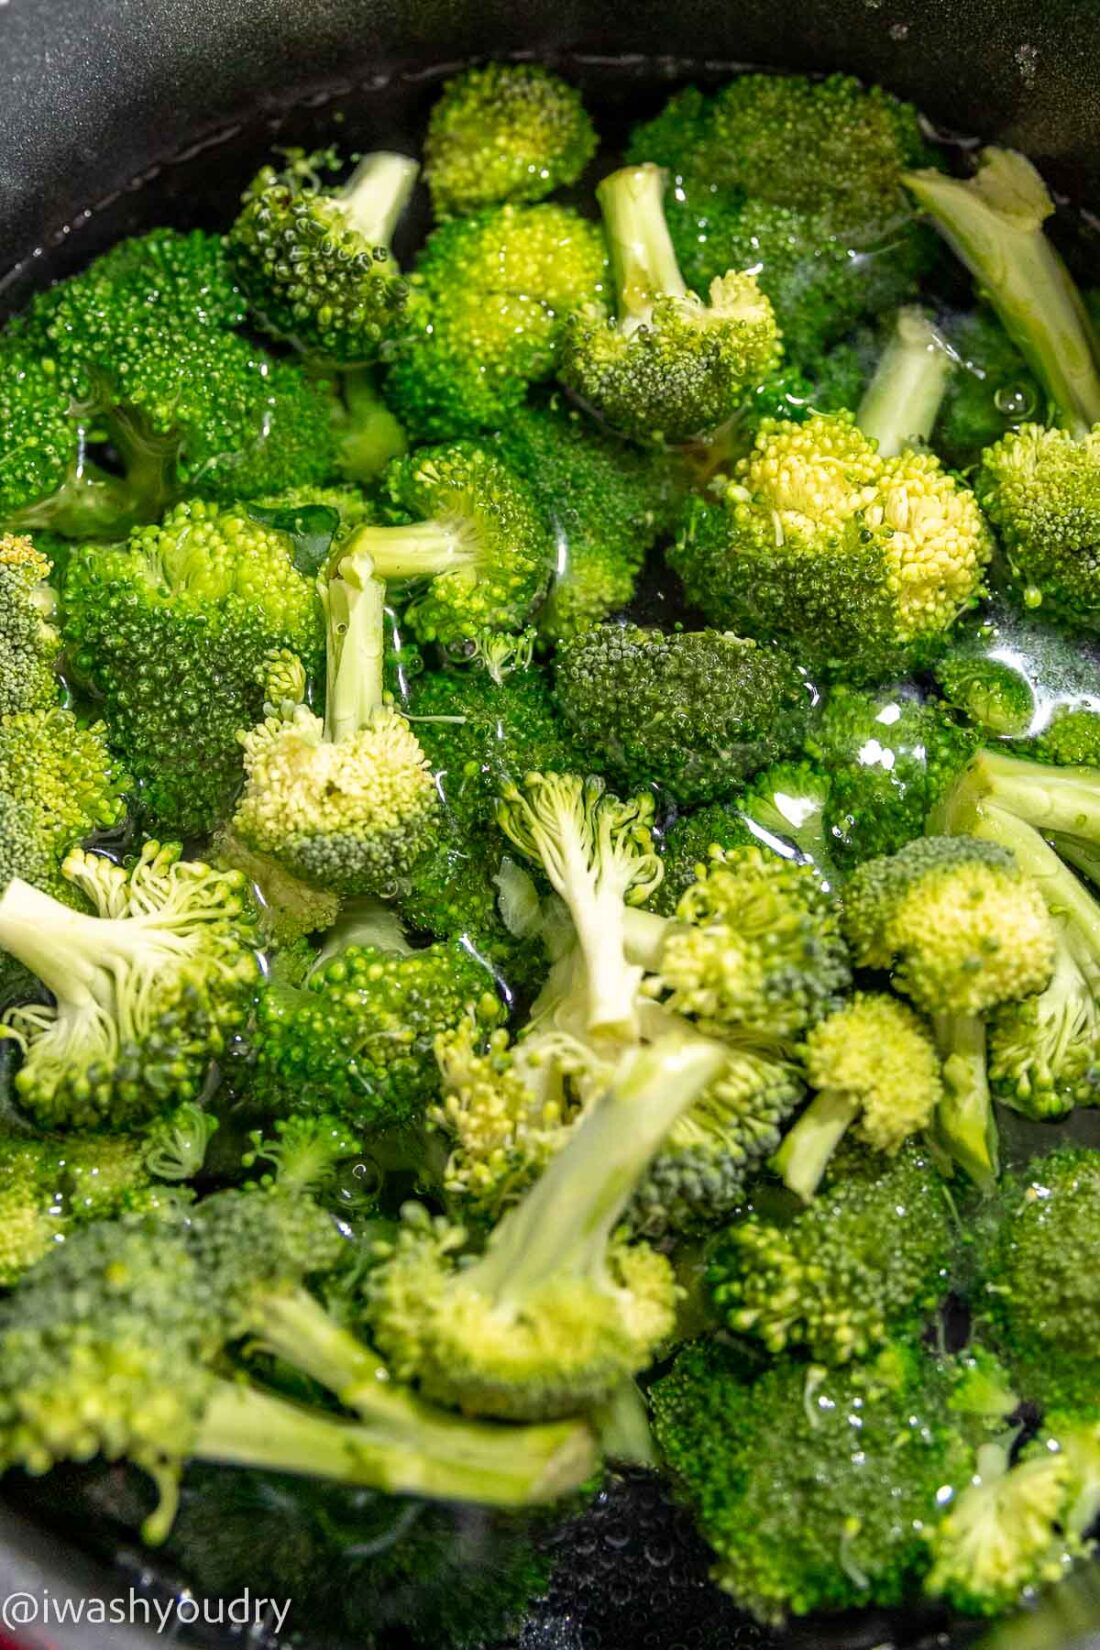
x=376, y=194
x=994, y=222
x=644, y=934
x=370, y=435
x=414, y=550
x=643, y=259
x=965, y=1124
x=563, y=1225
x=355, y=613
x=902, y=401
x=245, y=1427
x=1076, y=912
x=71, y=953
x=804, y=1155
x=1065, y=800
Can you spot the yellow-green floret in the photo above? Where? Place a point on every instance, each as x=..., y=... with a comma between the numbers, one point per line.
x=1041, y=490
x=63, y=773
x=29, y=644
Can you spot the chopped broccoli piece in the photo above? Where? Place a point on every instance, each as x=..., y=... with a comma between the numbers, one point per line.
x=695, y=712
x=504, y=132
x=1041, y=490
x=64, y=775
x=29, y=642
x=315, y=262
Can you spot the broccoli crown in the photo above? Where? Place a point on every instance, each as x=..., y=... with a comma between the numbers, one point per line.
x=875, y=1057
x=1041, y=490
x=289, y=909
x=962, y=928
x=315, y=261
x=549, y=253
x=890, y=757
x=755, y=948
x=146, y=993
x=1044, y=1051
x=606, y=502
x=351, y=815
x=41, y=482
x=868, y=1258
x=28, y=641
x=64, y=775
x=23, y=853
x=468, y=523
x=695, y=712
x=990, y=391
x=358, y=1039
x=858, y=562
x=813, y=1488
x=253, y=1243
x=1003, y=670
x=173, y=633
x=505, y=132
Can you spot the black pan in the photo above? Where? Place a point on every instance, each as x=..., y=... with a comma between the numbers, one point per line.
x=116, y=115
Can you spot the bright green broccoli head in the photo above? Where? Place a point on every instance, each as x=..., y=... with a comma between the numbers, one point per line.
x=812, y=1487
x=64, y=774
x=28, y=641
x=315, y=261
x=869, y=1257
x=857, y=562
x=146, y=993
x=470, y=526
x=549, y=253
x=695, y=712
x=505, y=132
x=954, y=917
x=1041, y=490
x=670, y=366
x=174, y=634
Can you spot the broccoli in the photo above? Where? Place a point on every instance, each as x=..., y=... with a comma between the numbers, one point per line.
x=965, y=930
x=754, y=952
x=858, y=563
x=346, y=803
x=146, y=993
x=316, y=263
x=888, y=758
x=358, y=1037
x=990, y=391
x=1016, y=677
x=695, y=712
x=173, y=633
x=289, y=909
x=869, y=1258
x=994, y=222
x=671, y=366
x=876, y=1072
x=607, y=503
x=813, y=1487
x=29, y=643
x=597, y=853
x=490, y=296
x=504, y=132
x=465, y=521
x=901, y=403
x=1039, y=489
x=369, y=435
x=64, y=776
x=558, y=1311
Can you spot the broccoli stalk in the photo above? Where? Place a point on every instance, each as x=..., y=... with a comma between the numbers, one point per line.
x=1053, y=799
x=994, y=221
x=965, y=1124
x=376, y=194
x=902, y=401
x=355, y=614
x=643, y=259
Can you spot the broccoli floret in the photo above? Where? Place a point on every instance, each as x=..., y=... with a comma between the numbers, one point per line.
x=63, y=773
x=695, y=712
x=492, y=292
x=165, y=280
x=557, y=1312
x=289, y=909
x=505, y=132
x=146, y=993
x=316, y=262
x=994, y=222
x=597, y=853
x=813, y=1487
x=346, y=803
x=858, y=563
x=965, y=931
x=369, y=433
x=1041, y=490
x=990, y=391
x=889, y=757
x=671, y=365
x=469, y=524
x=1014, y=676
x=173, y=634
x=754, y=951
x=358, y=1037
x=607, y=502
x=876, y=1072
x=870, y=1257
x=29, y=642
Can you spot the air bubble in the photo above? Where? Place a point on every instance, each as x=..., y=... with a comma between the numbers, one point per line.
x=1015, y=401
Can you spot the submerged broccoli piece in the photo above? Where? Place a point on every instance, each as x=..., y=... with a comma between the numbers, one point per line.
x=695, y=712
x=1016, y=677
x=508, y=131
x=1041, y=490
x=869, y=1258
x=557, y=1312
x=990, y=391
x=316, y=263
x=858, y=563
x=29, y=642
x=64, y=776
x=965, y=930
x=174, y=634
x=671, y=365
x=146, y=993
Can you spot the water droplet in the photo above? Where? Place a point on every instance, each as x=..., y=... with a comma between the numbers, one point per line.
x=1015, y=401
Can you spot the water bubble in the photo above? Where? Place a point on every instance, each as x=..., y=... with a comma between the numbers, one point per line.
x=899, y=31
x=1027, y=61
x=1015, y=401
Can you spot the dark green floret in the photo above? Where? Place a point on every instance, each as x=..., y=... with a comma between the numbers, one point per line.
x=505, y=132
x=696, y=712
